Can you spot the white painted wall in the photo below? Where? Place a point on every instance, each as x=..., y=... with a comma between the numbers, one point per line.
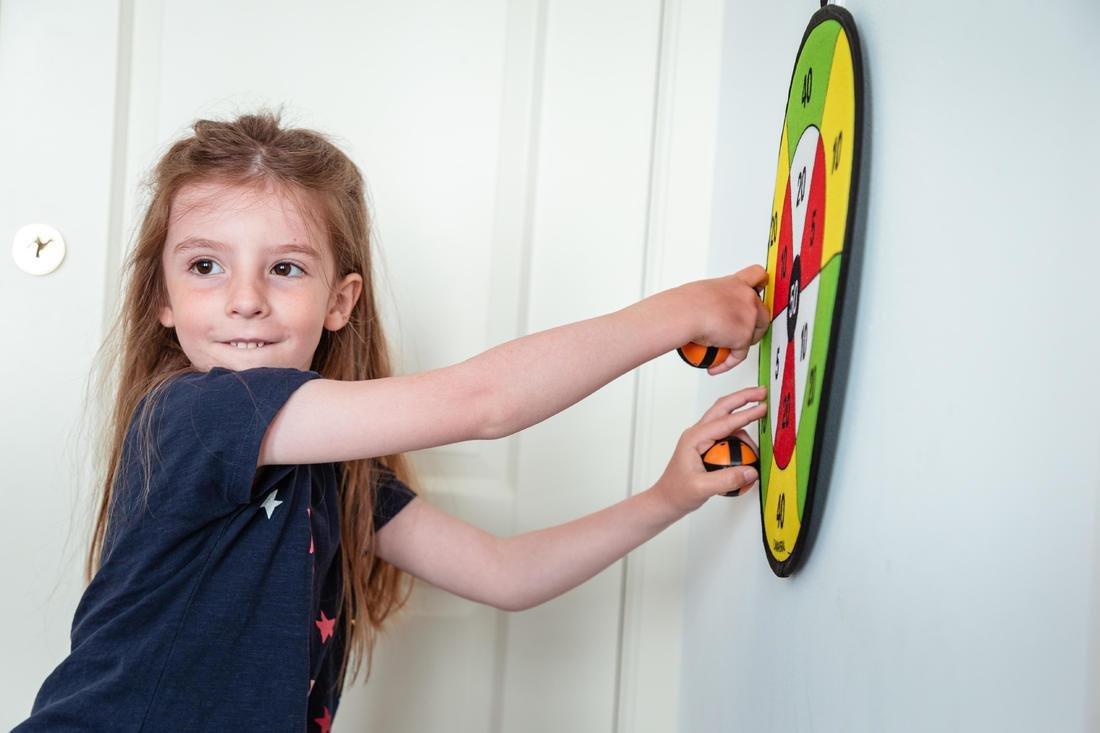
x=57, y=94
x=529, y=162
x=953, y=584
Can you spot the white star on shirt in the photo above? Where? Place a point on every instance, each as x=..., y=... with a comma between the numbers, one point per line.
x=270, y=503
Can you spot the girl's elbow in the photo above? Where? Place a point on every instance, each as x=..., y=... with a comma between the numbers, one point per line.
x=509, y=585
x=522, y=597
x=514, y=604
x=496, y=423
x=482, y=405
x=514, y=596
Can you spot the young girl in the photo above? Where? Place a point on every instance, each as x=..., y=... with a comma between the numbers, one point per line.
x=256, y=517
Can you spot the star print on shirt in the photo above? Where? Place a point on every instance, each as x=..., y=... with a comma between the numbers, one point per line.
x=325, y=625
x=324, y=722
x=270, y=503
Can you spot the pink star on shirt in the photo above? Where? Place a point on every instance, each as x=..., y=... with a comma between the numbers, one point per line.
x=325, y=625
x=325, y=721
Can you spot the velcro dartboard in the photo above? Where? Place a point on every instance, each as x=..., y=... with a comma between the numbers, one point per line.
x=809, y=251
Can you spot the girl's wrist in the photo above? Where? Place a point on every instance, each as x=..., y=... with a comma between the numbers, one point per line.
x=674, y=315
x=666, y=509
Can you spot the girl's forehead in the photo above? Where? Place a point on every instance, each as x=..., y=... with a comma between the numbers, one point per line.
x=211, y=201
x=234, y=212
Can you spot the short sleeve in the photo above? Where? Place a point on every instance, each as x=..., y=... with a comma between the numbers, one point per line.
x=212, y=423
x=391, y=496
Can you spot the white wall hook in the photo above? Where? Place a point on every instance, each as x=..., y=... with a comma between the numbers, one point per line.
x=38, y=249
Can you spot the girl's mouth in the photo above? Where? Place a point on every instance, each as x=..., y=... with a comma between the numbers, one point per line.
x=246, y=345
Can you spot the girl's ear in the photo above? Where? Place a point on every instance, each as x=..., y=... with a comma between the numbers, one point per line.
x=166, y=318
x=344, y=297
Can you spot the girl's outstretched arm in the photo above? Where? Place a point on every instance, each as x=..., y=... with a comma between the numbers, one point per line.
x=540, y=375
x=520, y=572
x=517, y=384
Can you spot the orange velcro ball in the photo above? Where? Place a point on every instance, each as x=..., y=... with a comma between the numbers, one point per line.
x=702, y=356
x=730, y=452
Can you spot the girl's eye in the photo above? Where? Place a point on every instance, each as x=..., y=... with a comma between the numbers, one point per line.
x=199, y=263
x=204, y=263
x=290, y=264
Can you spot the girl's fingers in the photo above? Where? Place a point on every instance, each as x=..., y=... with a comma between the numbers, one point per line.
x=754, y=276
x=732, y=359
x=759, y=331
x=706, y=434
x=763, y=318
x=733, y=401
x=729, y=479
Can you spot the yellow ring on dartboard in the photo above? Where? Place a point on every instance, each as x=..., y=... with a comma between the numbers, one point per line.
x=838, y=132
x=781, y=514
x=777, y=218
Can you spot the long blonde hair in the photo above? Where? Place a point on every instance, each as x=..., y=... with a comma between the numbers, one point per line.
x=139, y=355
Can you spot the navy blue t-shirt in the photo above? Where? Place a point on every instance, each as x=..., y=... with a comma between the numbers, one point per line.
x=215, y=607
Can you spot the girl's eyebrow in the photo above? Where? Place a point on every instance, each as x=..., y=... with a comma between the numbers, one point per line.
x=201, y=242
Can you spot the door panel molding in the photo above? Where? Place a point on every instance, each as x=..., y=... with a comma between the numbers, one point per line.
x=677, y=250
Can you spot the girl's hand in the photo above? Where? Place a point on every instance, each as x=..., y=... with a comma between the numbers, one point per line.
x=686, y=484
x=730, y=313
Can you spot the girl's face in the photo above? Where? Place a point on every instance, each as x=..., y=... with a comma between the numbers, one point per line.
x=241, y=264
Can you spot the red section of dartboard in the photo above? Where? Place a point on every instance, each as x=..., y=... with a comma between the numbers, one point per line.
x=784, y=259
x=813, y=230
x=785, y=431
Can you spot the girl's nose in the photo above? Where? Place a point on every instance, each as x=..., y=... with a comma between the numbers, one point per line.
x=247, y=298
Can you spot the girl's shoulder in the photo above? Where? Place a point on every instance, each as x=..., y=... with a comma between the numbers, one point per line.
x=209, y=425
x=220, y=387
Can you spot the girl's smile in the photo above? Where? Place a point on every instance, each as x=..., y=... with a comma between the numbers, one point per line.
x=241, y=344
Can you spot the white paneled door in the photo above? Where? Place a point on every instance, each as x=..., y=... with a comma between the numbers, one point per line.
x=526, y=168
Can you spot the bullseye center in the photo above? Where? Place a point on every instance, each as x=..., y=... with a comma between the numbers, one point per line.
x=792, y=300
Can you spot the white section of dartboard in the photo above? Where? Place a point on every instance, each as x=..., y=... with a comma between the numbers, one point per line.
x=804, y=156
x=807, y=309
x=775, y=376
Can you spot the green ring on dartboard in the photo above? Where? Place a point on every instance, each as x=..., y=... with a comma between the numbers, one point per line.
x=809, y=255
